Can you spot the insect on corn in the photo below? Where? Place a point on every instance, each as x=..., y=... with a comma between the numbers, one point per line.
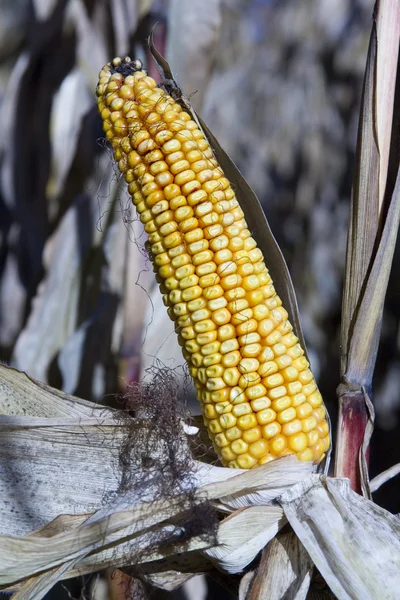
x=259, y=398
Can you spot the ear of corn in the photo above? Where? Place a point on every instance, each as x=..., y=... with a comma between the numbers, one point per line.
x=258, y=396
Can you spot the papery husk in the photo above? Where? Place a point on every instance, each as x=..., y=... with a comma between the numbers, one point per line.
x=354, y=543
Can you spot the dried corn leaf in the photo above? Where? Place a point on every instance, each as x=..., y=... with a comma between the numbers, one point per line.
x=71, y=103
x=372, y=232
x=354, y=543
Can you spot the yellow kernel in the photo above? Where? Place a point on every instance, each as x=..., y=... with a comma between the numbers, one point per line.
x=273, y=338
x=233, y=464
x=187, y=333
x=252, y=435
x=211, y=359
x=174, y=157
x=306, y=455
x=251, y=282
x=251, y=350
x=277, y=392
x=265, y=327
x=202, y=256
x=241, y=409
x=209, y=411
x=308, y=424
x=191, y=293
x=233, y=433
x=222, y=256
x=259, y=403
x=231, y=376
x=168, y=228
x=248, y=334
x=197, y=359
x=315, y=399
x=254, y=298
x=227, y=454
x=174, y=239
x=312, y=437
x=286, y=415
x=220, y=395
x=208, y=280
x=236, y=395
x=277, y=445
x=240, y=318
x=305, y=376
x=259, y=448
x=214, y=426
x=298, y=442
x=188, y=282
x=175, y=296
x=210, y=349
x=195, y=196
x=247, y=421
x=290, y=374
x=231, y=281
x=323, y=429
x=206, y=268
x=294, y=387
x=227, y=268
x=227, y=420
x=229, y=346
x=249, y=379
x=319, y=413
x=295, y=351
x=304, y=410
x=248, y=365
x=250, y=338
x=205, y=326
x=245, y=461
x=179, y=166
x=282, y=403
x=291, y=428
x=266, y=416
x=220, y=440
x=184, y=272
x=271, y=430
x=166, y=271
x=198, y=246
x=184, y=177
x=237, y=305
x=220, y=243
x=326, y=443
x=221, y=317
x=210, y=219
x=267, y=368
x=177, y=250
x=239, y=446
x=171, y=146
x=231, y=359
x=200, y=315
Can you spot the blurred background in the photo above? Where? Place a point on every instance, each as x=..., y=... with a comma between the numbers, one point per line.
x=278, y=82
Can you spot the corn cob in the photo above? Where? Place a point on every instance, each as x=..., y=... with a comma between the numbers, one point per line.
x=259, y=398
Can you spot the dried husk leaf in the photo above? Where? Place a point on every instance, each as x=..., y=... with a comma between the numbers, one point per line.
x=242, y=535
x=354, y=543
x=284, y=572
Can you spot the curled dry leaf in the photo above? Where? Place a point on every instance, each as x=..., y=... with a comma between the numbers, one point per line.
x=284, y=572
x=354, y=543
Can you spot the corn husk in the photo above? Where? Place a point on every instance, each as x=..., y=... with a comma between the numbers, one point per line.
x=90, y=524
